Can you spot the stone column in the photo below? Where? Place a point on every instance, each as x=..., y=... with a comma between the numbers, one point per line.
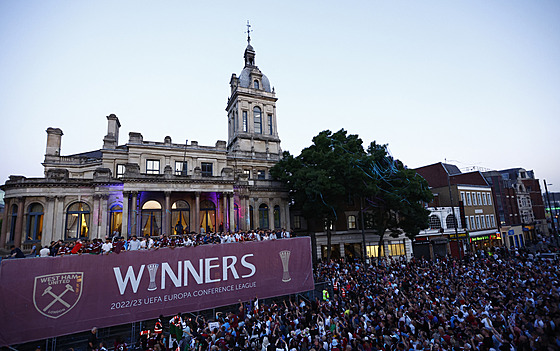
x=48, y=221
x=125, y=215
x=95, y=217
x=60, y=219
x=167, y=215
x=134, y=216
x=287, y=221
x=19, y=222
x=224, y=211
x=231, y=212
x=104, y=227
x=255, y=218
x=5, y=219
x=270, y=215
x=196, y=212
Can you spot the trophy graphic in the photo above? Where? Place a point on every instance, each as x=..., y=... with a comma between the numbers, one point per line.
x=285, y=257
x=152, y=269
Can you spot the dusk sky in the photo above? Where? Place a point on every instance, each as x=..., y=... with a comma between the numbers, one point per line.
x=473, y=82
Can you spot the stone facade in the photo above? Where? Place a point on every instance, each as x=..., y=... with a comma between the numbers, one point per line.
x=153, y=188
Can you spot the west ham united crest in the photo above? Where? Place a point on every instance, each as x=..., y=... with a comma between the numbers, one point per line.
x=54, y=295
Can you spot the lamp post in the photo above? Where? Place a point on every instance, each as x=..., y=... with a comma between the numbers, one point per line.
x=550, y=210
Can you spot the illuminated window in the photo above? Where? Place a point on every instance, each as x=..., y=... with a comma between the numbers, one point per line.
x=180, y=217
x=396, y=249
x=115, y=220
x=245, y=121
x=351, y=222
x=151, y=218
x=35, y=222
x=77, y=221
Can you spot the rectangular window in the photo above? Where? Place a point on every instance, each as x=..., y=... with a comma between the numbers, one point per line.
x=484, y=199
x=206, y=168
x=479, y=199
x=473, y=227
x=152, y=166
x=258, y=122
x=261, y=174
x=351, y=222
x=245, y=121
x=120, y=170
x=488, y=225
x=469, y=199
x=181, y=168
x=395, y=249
x=489, y=199
x=297, y=222
x=492, y=224
x=477, y=218
x=372, y=250
x=270, y=124
x=468, y=224
x=247, y=172
x=463, y=198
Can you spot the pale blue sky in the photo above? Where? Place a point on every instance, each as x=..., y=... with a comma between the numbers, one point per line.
x=476, y=82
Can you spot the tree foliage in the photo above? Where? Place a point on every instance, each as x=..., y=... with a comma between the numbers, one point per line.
x=336, y=166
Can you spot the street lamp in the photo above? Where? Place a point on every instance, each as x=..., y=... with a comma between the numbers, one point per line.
x=550, y=210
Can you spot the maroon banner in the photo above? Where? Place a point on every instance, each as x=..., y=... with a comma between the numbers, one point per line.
x=47, y=297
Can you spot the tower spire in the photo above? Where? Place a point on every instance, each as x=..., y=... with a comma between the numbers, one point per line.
x=249, y=30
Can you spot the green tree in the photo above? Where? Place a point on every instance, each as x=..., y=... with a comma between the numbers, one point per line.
x=396, y=201
x=322, y=176
x=336, y=166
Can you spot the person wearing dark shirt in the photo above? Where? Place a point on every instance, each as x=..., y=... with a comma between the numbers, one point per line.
x=92, y=340
x=16, y=252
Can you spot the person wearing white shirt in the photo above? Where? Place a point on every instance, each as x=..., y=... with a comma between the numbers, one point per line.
x=107, y=246
x=134, y=244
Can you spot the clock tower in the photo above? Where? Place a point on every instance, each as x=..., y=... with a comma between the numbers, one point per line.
x=251, y=108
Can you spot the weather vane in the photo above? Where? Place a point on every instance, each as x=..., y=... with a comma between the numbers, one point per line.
x=249, y=30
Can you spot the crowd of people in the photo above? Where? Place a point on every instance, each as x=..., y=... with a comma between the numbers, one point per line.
x=504, y=301
x=118, y=244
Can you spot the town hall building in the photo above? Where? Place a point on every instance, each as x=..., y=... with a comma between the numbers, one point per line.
x=142, y=187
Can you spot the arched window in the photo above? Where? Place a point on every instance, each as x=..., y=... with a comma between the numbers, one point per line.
x=180, y=217
x=251, y=223
x=277, y=224
x=77, y=221
x=451, y=221
x=257, y=118
x=115, y=220
x=435, y=223
x=263, y=216
x=256, y=84
x=207, y=216
x=351, y=222
x=34, y=222
x=13, y=222
x=151, y=218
